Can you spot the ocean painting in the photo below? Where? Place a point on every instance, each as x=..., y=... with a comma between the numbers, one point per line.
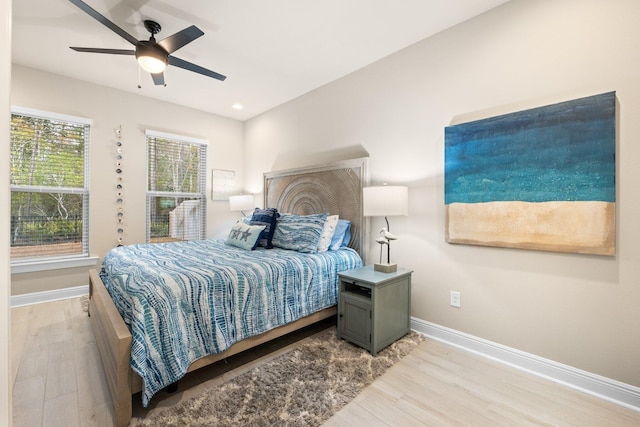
x=541, y=179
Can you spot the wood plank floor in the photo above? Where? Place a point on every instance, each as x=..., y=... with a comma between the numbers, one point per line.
x=58, y=382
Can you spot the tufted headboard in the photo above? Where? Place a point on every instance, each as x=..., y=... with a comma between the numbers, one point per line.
x=335, y=188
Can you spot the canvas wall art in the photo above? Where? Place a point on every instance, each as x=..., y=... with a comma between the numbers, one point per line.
x=541, y=179
x=223, y=184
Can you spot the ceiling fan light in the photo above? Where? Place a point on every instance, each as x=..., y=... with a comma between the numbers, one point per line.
x=152, y=64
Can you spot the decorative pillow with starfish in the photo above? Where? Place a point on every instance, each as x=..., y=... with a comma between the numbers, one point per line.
x=244, y=236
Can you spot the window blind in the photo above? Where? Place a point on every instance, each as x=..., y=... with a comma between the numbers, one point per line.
x=176, y=194
x=49, y=185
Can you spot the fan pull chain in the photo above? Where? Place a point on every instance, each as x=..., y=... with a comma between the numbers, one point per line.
x=139, y=85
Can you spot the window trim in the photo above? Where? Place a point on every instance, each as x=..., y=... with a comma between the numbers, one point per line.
x=33, y=264
x=181, y=138
x=52, y=263
x=41, y=114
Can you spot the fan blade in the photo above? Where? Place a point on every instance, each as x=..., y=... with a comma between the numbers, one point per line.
x=181, y=38
x=158, y=79
x=100, y=50
x=113, y=27
x=195, y=68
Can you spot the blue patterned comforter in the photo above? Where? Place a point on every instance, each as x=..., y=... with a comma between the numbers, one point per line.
x=185, y=300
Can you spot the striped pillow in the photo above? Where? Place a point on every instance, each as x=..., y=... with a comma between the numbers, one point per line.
x=299, y=232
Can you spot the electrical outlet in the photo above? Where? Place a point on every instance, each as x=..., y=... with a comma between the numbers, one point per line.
x=454, y=299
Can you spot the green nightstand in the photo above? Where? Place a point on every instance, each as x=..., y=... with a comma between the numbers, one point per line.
x=373, y=307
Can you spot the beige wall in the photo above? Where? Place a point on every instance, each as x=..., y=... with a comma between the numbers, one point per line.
x=109, y=109
x=5, y=286
x=575, y=309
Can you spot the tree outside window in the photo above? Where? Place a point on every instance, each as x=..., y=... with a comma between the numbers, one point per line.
x=176, y=197
x=49, y=191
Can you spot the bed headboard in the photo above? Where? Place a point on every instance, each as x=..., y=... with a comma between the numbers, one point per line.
x=335, y=188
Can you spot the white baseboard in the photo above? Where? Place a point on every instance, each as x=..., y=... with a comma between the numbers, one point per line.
x=46, y=296
x=605, y=388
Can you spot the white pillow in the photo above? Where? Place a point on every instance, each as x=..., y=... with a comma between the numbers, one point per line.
x=327, y=233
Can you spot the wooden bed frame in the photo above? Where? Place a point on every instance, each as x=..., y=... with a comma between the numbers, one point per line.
x=293, y=191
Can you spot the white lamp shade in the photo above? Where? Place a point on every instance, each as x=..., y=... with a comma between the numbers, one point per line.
x=241, y=203
x=385, y=200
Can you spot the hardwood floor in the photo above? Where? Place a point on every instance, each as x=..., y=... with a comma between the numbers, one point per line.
x=58, y=382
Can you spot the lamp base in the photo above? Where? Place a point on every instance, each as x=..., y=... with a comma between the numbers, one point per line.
x=385, y=268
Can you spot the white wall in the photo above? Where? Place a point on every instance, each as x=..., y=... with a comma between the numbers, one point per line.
x=109, y=109
x=5, y=284
x=579, y=310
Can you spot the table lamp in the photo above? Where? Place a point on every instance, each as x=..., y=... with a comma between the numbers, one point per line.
x=241, y=203
x=385, y=200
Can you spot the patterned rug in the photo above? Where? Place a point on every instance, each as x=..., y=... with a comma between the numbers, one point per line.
x=303, y=387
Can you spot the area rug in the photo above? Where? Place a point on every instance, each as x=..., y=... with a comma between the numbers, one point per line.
x=303, y=387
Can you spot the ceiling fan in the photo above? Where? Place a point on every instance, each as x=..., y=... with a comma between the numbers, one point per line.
x=152, y=56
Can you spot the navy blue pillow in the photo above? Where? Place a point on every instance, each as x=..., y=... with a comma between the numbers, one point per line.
x=266, y=217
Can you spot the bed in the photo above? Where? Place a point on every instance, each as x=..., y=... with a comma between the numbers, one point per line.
x=294, y=289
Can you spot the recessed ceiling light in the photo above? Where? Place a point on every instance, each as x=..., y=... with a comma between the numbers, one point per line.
x=237, y=106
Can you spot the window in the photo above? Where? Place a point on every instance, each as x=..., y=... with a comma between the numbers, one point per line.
x=49, y=185
x=176, y=196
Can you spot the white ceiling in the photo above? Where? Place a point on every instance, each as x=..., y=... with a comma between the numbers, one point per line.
x=270, y=50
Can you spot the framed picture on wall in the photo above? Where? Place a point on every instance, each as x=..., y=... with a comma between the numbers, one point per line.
x=222, y=183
